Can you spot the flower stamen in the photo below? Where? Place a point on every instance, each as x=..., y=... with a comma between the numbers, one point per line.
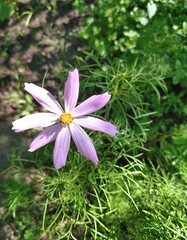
x=66, y=118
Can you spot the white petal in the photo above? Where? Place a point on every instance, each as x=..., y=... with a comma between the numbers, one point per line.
x=36, y=120
x=92, y=104
x=151, y=8
x=71, y=91
x=61, y=148
x=96, y=124
x=83, y=142
x=45, y=136
x=44, y=98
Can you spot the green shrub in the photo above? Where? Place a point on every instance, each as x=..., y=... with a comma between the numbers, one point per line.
x=148, y=29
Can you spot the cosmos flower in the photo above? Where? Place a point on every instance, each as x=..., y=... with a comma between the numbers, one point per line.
x=61, y=125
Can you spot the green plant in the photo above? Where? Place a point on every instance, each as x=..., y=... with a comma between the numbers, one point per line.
x=148, y=29
x=81, y=200
x=7, y=9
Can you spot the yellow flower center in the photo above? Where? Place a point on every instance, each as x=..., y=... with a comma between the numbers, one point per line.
x=66, y=118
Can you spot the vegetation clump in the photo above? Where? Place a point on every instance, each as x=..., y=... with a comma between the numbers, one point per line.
x=135, y=51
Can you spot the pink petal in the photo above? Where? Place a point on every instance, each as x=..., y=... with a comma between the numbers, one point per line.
x=96, y=124
x=83, y=142
x=71, y=91
x=44, y=137
x=61, y=148
x=91, y=104
x=36, y=120
x=44, y=98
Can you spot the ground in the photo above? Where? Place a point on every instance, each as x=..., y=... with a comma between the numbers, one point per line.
x=29, y=52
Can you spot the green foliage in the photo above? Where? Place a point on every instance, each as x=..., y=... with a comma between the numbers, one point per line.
x=162, y=206
x=164, y=196
x=129, y=86
x=6, y=9
x=149, y=32
x=138, y=190
x=165, y=42
x=12, y=7
x=141, y=200
x=75, y=202
x=24, y=102
x=155, y=29
x=84, y=201
x=170, y=114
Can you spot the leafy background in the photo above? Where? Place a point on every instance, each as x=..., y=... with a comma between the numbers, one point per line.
x=135, y=50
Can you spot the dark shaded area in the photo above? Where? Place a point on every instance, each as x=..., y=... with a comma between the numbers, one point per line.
x=30, y=50
x=47, y=41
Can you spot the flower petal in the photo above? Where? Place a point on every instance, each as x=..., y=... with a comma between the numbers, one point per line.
x=71, y=91
x=61, y=148
x=91, y=104
x=45, y=136
x=83, y=142
x=44, y=98
x=36, y=120
x=96, y=124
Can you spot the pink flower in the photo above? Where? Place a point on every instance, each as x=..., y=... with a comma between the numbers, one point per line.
x=62, y=125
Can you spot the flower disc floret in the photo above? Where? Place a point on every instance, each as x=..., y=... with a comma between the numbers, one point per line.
x=66, y=118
